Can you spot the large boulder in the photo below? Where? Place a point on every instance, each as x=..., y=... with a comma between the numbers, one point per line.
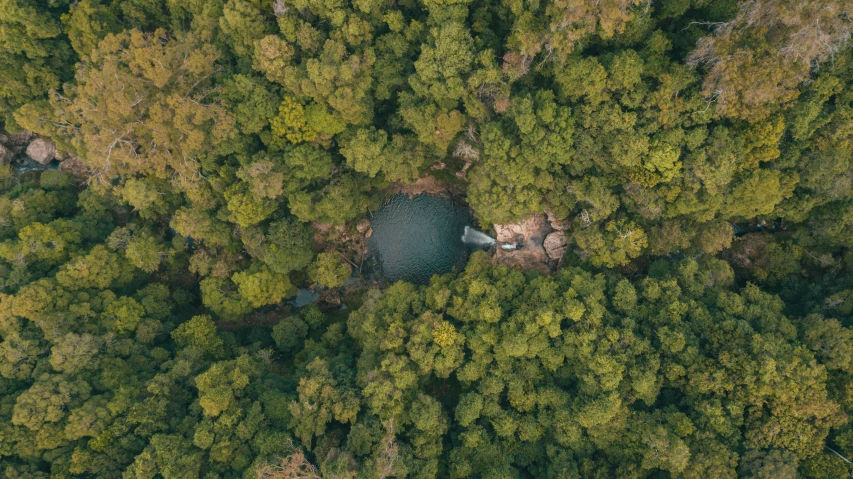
x=6, y=155
x=532, y=229
x=73, y=166
x=363, y=226
x=18, y=141
x=42, y=151
x=555, y=245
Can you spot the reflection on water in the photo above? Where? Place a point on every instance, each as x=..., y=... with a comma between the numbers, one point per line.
x=415, y=238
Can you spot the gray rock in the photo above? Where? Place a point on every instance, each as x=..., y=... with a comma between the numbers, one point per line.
x=20, y=139
x=23, y=136
x=279, y=8
x=555, y=245
x=73, y=166
x=6, y=155
x=363, y=226
x=557, y=223
x=42, y=151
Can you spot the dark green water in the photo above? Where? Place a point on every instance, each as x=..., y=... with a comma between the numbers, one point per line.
x=415, y=238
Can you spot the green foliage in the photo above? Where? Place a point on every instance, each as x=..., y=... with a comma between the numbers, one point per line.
x=750, y=72
x=589, y=372
x=262, y=287
x=198, y=333
x=139, y=106
x=123, y=314
x=98, y=269
x=329, y=270
x=322, y=398
x=223, y=298
x=291, y=123
x=614, y=245
x=442, y=64
x=370, y=152
x=222, y=383
x=523, y=159
x=698, y=326
x=150, y=198
x=36, y=57
x=289, y=334
x=284, y=247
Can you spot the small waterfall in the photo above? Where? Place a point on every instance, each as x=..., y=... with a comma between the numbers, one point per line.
x=477, y=238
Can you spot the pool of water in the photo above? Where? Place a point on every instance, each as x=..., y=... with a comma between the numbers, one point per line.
x=415, y=238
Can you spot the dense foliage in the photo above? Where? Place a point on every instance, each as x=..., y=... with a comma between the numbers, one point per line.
x=221, y=137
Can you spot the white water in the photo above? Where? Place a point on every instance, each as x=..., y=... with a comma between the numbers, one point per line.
x=477, y=238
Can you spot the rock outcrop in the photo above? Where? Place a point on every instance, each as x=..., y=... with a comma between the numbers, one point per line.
x=557, y=223
x=529, y=232
x=17, y=142
x=6, y=155
x=42, y=151
x=363, y=226
x=73, y=166
x=555, y=245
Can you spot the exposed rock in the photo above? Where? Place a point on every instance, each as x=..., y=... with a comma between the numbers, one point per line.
x=557, y=223
x=279, y=8
x=427, y=184
x=18, y=141
x=41, y=151
x=530, y=228
x=6, y=155
x=331, y=297
x=551, y=216
x=350, y=244
x=529, y=233
x=369, y=233
x=555, y=245
x=22, y=137
x=73, y=166
x=363, y=226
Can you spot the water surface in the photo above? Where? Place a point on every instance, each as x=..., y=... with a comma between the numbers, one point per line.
x=415, y=238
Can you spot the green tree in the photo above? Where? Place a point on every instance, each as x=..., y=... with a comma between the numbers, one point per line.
x=223, y=383
x=750, y=72
x=36, y=56
x=370, y=152
x=199, y=333
x=329, y=270
x=140, y=106
x=223, y=298
x=262, y=287
x=284, y=247
x=324, y=396
x=615, y=244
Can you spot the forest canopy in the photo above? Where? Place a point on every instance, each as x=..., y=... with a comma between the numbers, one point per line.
x=172, y=172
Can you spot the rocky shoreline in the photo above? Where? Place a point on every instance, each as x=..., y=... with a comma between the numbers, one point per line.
x=541, y=239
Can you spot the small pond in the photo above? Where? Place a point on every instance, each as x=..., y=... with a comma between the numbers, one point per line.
x=415, y=238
